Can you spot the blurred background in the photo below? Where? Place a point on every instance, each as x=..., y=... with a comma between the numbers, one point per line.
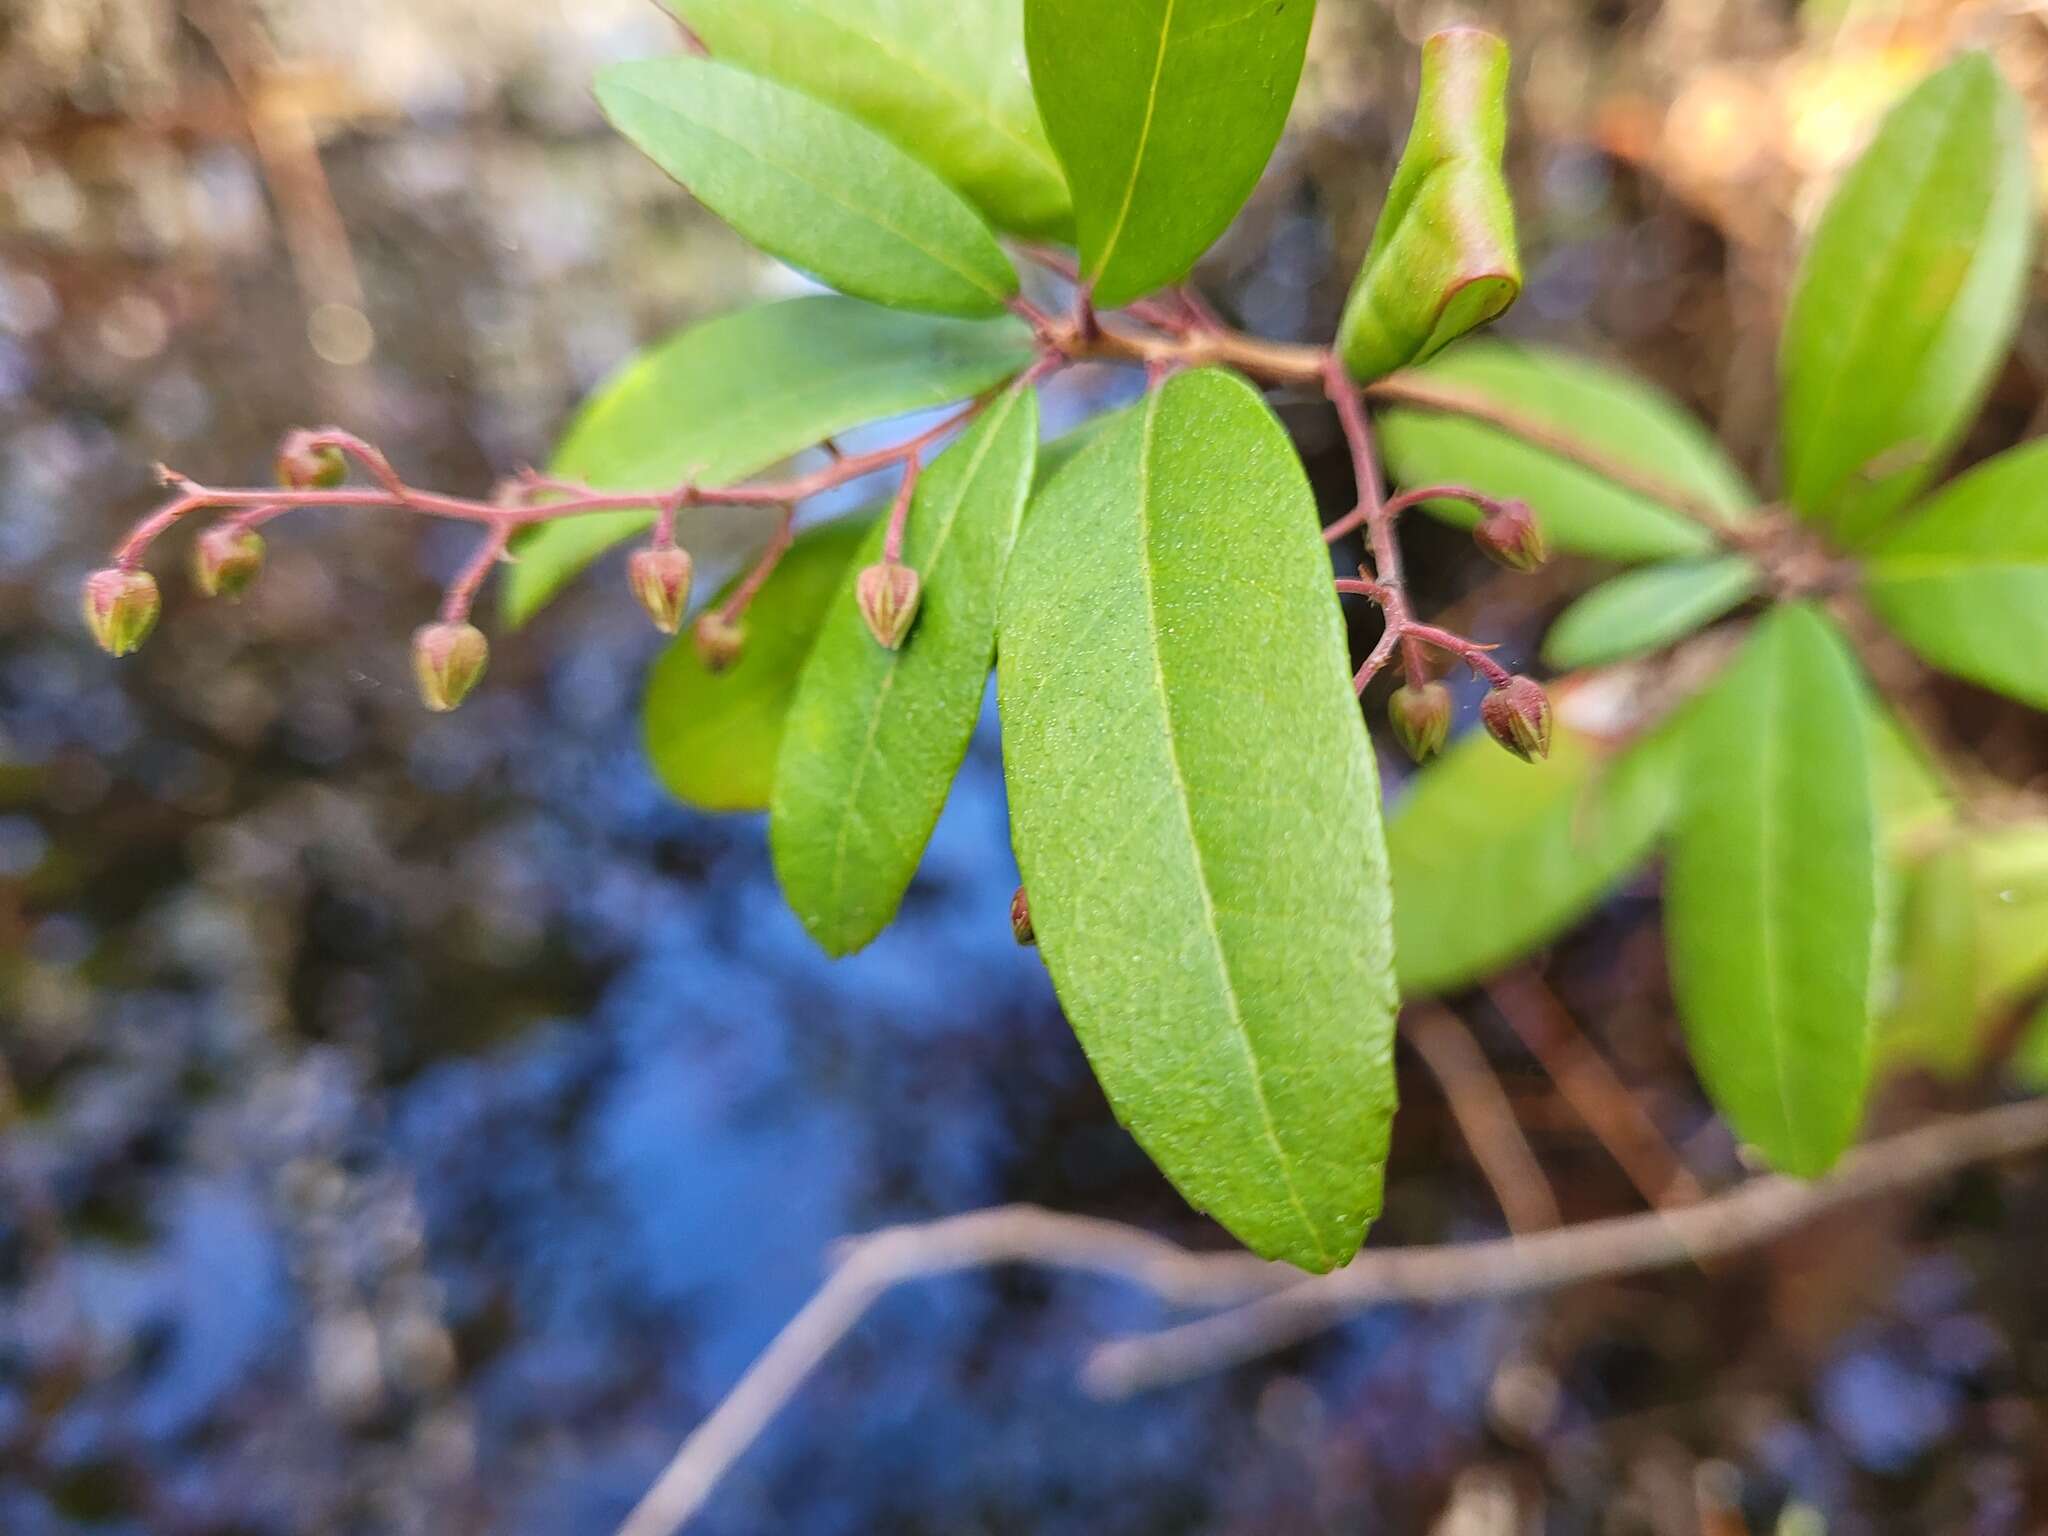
x=414, y=1124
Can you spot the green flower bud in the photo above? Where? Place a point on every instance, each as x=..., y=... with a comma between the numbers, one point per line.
x=448, y=660
x=660, y=579
x=302, y=466
x=1517, y=715
x=888, y=593
x=225, y=559
x=121, y=608
x=720, y=642
x=1421, y=718
x=1511, y=536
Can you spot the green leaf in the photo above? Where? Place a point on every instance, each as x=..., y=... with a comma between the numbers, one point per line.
x=1932, y=1021
x=2011, y=865
x=1443, y=258
x=1164, y=112
x=1645, y=610
x=1195, y=810
x=1965, y=580
x=1494, y=858
x=875, y=736
x=942, y=79
x=2030, y=1060
x=811, y=185
x=736, y=395
x=1771, y=893
x=713, y=736
x=1607, y=411
x=1906, y=299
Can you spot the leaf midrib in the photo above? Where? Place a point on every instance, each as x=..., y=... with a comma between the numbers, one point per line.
x=1116, y=233
x=1181, y=799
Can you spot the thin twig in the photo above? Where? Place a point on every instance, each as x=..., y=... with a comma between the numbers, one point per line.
x=1286, y=1308
x=1485, y=1117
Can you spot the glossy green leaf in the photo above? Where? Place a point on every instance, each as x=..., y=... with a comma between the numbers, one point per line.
x=1494, y=858
x=1771, y=893
x=875, y=736
x=1443, y=258
x=811, y=185
x=1645, y=610
x=943, y=79
x=1195, y=809
x=1965, y=581
x=1164, y=112
x=738, y=394
x=1906, y=299
x=1609, y=412
x=713, y=736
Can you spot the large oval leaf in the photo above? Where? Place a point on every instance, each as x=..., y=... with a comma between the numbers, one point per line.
x=875, y=736
x=1196, y=813
x=1965, y=581
x=1443, y=258
x=1494, y=858
x=1609, y=412
x=737, y=394
x=1164, y=112
x=811, y=185
x=713, y=736
x=1645, y=610
x=943, y=79
x=1771, y=892
x=1906, y=299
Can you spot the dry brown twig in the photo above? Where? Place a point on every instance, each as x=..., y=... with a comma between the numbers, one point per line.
x=1268, y=1306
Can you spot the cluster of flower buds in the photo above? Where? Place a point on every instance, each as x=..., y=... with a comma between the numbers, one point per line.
x=1509, y=535
x=660, y=579
x=1420, y=714
x=448, y=660
x=889, y=592
x=1516, y=713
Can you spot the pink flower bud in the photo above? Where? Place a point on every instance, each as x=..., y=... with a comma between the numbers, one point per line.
x=121, y=608
x=720, y=642
x=448, y=660
x=303, y=466
x=660, y=579
x=1517, y=715
x=889, y=594
x=1020, y=918
x=225, y=559
x=1510, y=536
x=1421, y=718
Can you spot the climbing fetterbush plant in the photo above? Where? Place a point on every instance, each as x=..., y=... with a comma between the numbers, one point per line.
x=1195, y=804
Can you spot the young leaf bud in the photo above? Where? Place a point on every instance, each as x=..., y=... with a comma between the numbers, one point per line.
x=1020, y=918
x=720, y=642
x=1421, y=718
x=225, y=559
x=1517, y=715
x=1510, y=536
x=302, y=466
x=660, y=579
x=448, y=660
x=121, y=608
x=888, y=594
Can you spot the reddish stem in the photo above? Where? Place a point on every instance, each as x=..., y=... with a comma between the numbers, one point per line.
x=778, y=546
x=899, y=512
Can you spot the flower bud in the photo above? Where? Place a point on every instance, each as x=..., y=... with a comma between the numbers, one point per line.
x=448, y=660
x=1510, y=536
x=225, y=559
x=1517, y=715
x=720, y=642
x=660, y=579
x=303, y=466
x=1421, y=718
x=889, y=594
x=121, y=608
x=1020, y=918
